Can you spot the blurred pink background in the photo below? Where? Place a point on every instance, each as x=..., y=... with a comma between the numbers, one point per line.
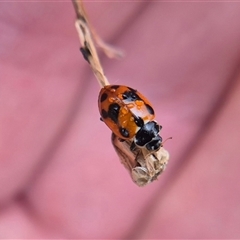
x=60, y=176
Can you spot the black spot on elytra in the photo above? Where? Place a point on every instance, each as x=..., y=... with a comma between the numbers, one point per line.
x=150, y=109
x=104, y=114
x=131, y=89
x=130, y=96
x=139, y=122
x=113, y=112
x=115, y=86
x=124, y=132
x=103, y=97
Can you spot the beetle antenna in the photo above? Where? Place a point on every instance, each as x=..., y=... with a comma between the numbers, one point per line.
x=165, y=141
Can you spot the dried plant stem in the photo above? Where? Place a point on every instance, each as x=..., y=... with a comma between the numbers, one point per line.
x=88, y=48
x=86, y=35
x=90, y=53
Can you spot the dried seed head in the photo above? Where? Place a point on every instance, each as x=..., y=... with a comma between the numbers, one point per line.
x=143, y=166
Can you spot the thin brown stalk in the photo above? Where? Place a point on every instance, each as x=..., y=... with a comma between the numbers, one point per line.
x=87, y=35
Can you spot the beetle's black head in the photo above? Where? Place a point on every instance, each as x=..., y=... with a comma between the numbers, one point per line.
x=154, y=144
x=148, y=136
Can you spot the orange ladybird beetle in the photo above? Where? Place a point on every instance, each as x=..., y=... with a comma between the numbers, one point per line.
x=130, y=116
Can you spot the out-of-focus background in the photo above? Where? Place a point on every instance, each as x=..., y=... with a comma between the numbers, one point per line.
x=59, y=175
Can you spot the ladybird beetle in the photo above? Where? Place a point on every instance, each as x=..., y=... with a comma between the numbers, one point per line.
x=130, y=116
